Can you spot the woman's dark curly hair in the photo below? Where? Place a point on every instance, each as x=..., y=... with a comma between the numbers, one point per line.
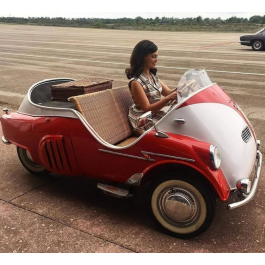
x=142, y=49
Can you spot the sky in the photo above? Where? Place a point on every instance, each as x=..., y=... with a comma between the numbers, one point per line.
x=222, y=15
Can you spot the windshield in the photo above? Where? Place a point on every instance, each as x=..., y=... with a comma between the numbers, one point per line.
x=260, y=31
x=192, y=81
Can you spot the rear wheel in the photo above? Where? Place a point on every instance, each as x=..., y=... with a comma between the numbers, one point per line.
x=257, y=45
x=182, y=206
x=27, y=161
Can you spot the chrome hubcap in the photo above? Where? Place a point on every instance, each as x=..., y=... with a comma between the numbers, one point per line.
x=257, y=45
x=178, y=206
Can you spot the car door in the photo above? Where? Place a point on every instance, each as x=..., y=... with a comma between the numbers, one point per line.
x=263, y=36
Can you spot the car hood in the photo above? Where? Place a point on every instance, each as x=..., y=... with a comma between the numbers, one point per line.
x=245, y=36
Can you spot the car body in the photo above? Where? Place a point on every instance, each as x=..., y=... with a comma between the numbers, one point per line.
x=257, y=40
x=203, y=148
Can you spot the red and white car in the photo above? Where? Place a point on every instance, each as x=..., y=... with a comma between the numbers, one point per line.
x=203, y=149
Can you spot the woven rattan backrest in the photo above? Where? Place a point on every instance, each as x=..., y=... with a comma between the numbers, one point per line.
x=123, y=101
x=105, y=112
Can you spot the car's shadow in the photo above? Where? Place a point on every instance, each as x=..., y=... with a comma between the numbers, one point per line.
x=250, y=50
x=76, y=201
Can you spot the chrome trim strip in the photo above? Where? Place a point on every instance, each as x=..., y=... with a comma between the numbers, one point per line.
x=103, y=142
x=169, y=156
x=88, y=126
x=115, y=153
x=5, y=141
x=54, y=115
x=79, y=116
x=43, y=82
x=254, y=188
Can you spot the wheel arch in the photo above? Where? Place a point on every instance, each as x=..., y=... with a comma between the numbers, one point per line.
x=153, y=174
x=258, y=40
x=29, y=163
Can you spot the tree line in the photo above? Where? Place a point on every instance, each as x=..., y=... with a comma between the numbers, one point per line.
x=164, y=23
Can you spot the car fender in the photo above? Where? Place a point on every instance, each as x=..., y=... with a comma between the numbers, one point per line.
x=188, y=152
x=215, y=178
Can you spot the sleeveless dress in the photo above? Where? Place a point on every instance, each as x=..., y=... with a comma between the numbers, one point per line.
x=153, y=89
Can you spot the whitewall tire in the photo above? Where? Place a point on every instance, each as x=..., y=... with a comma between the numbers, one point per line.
x=27, y=161
x=183, y=207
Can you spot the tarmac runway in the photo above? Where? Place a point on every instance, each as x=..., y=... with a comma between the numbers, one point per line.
x=64, y=214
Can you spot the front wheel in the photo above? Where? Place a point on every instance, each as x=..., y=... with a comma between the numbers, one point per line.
x=183, y=207
x=257, y=45
x=28, y=163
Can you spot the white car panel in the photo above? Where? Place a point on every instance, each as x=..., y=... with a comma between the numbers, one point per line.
x=219, y=125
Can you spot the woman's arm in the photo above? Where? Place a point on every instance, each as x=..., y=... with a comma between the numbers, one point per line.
x=165, y=90
x=142, y=100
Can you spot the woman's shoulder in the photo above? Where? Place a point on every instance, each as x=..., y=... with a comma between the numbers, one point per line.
x=134, y=81
x=138, y=79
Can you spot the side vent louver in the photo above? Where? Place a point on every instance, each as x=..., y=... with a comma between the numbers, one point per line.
x=53, y=154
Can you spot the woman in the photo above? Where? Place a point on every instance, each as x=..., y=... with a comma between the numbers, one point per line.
x=145, y=86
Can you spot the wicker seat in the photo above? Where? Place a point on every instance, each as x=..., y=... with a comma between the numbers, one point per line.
x=107, y=112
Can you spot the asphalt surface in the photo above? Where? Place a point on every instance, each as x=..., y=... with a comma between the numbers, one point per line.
x=65, y=214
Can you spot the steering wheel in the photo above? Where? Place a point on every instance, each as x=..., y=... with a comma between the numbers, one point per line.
x=187, y=87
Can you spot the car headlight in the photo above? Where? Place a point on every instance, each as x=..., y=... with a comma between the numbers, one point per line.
x=215, y=157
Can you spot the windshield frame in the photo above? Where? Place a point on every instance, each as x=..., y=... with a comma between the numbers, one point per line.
x=260, y=31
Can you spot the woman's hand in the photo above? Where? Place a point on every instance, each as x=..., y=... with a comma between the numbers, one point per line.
x=184, y=89
x=180, y=86
x=142, y=100
x=172, y=96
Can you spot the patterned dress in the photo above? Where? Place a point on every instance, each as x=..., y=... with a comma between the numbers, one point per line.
x=153, y=89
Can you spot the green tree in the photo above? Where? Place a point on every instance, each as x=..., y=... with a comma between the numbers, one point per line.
x=256, y=19
x=199, y=19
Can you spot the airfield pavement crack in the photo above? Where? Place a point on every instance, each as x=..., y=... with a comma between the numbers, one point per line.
x=61, y=223
x=10, y=201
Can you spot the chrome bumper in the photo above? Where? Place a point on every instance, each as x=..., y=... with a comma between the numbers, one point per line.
x=245, y=42
x=5, y=141
x=254, y=188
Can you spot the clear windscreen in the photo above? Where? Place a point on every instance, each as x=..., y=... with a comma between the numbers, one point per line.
x=192, y=81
